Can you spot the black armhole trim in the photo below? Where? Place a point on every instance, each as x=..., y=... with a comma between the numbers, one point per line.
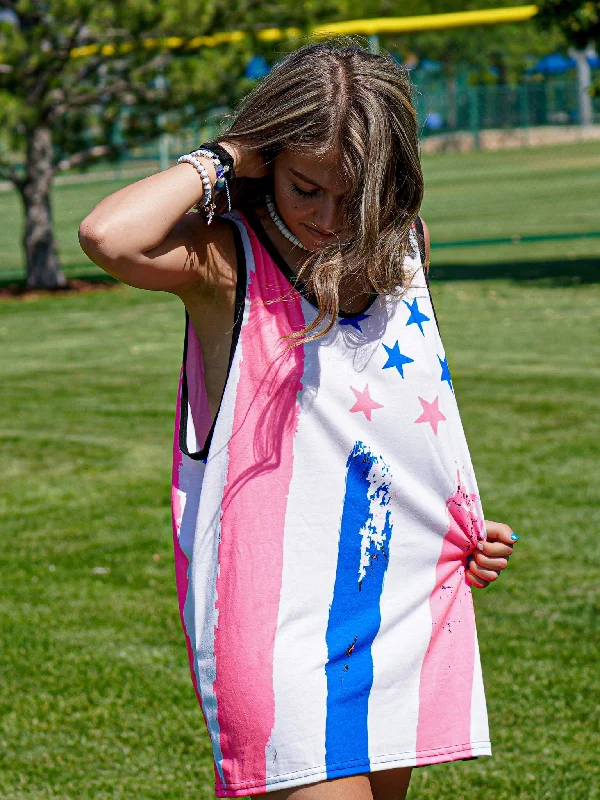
x=421, y=242
x=238, y=318
x=423, y=254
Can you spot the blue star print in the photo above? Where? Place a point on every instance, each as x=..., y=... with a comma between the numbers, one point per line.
x=355, y=321
x=396, y=358
x=446, y=372
x=416, y=317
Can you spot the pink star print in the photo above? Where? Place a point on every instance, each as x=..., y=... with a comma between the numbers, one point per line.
x=364, y=402
x=431, y=414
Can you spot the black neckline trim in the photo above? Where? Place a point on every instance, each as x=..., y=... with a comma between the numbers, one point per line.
x=421, y=241
x=238, y=318
x=423, y=254
x=288, y=273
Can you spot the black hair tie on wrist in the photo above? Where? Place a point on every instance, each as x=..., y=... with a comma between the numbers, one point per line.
x=224, y=157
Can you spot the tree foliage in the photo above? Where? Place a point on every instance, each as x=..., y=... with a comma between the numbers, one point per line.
x=101, y=101
x=578, y=20
x=490, y=52
x=82, y=80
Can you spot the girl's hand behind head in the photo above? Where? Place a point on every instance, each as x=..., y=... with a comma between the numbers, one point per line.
x=247, y=162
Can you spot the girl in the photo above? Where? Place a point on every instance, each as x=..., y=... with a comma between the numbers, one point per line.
x=327, y=521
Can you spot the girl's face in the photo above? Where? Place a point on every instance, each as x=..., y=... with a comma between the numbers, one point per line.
x=308, y=196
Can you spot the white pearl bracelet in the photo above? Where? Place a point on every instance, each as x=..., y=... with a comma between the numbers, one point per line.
x=220, y=171
x=200, y=169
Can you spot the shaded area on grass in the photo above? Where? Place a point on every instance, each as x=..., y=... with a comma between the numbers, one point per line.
x=559, y=272
x=81, y=285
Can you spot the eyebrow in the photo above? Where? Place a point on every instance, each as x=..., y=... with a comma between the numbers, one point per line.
x=304, y=178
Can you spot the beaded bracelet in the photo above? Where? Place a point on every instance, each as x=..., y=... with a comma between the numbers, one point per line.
x=201, y=170
x=220, y=170
x=223, y=155
x=207, y=203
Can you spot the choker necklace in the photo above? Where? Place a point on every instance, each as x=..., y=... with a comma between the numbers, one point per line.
x=280, y=224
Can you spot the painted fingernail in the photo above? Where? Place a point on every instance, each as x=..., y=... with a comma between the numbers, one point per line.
x=514, y=537
x=480, y=545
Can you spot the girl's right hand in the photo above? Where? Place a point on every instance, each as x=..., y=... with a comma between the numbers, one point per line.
x=247, y=162
x=492, y=554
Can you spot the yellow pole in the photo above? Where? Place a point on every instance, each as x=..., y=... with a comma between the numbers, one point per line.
x=491, y=16
x=369, y=27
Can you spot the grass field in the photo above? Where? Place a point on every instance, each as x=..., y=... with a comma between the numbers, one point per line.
x=468, y=196
x=96, y=700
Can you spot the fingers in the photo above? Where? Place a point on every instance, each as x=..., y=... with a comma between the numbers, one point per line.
x=488, y=575
x=474, y=580
x=495, y=549
x=497, y=564
x=499, y=532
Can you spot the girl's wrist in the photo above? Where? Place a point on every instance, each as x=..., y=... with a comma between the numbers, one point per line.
x=208, y=173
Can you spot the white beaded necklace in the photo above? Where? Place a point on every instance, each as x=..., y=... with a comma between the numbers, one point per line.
x=280, y=224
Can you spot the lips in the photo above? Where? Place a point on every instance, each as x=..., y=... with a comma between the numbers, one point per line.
x=318, y=234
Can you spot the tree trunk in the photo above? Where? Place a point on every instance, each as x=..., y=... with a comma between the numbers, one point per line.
x=43, y=268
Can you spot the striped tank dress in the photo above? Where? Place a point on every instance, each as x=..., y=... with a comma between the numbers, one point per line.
x=322, y=525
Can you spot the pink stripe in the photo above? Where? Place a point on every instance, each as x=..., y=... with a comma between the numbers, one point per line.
x=251, y=544
x=447, y=673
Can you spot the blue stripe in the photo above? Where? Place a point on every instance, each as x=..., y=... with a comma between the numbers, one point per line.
x=354, y=616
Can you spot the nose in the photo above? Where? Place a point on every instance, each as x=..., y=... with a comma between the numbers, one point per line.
x=327, y=215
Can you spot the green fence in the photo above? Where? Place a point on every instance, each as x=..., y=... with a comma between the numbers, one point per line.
x=450, y=107
x=442, y=107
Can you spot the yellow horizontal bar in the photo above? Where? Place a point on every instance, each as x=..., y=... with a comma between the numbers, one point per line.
x=428, y=22
x=459, y=19
x=270, y=34
x=84, y=50
x=226, y=37
x=275, y=34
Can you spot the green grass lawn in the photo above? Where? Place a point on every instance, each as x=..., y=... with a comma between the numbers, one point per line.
x=536, y=191
x=96, y=700
x=468, y=196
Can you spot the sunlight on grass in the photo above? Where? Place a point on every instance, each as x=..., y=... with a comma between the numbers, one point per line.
x=542, y=190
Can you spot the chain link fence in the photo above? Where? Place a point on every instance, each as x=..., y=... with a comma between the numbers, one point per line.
x=450, y=107
x=443, y=107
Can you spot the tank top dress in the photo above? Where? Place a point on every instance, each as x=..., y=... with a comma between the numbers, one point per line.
x=322, y=526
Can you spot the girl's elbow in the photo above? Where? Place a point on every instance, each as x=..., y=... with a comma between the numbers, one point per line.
x=90, y=234
x=97, y=242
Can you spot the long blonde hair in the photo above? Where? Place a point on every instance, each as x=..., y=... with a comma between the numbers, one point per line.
x=324, y=95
